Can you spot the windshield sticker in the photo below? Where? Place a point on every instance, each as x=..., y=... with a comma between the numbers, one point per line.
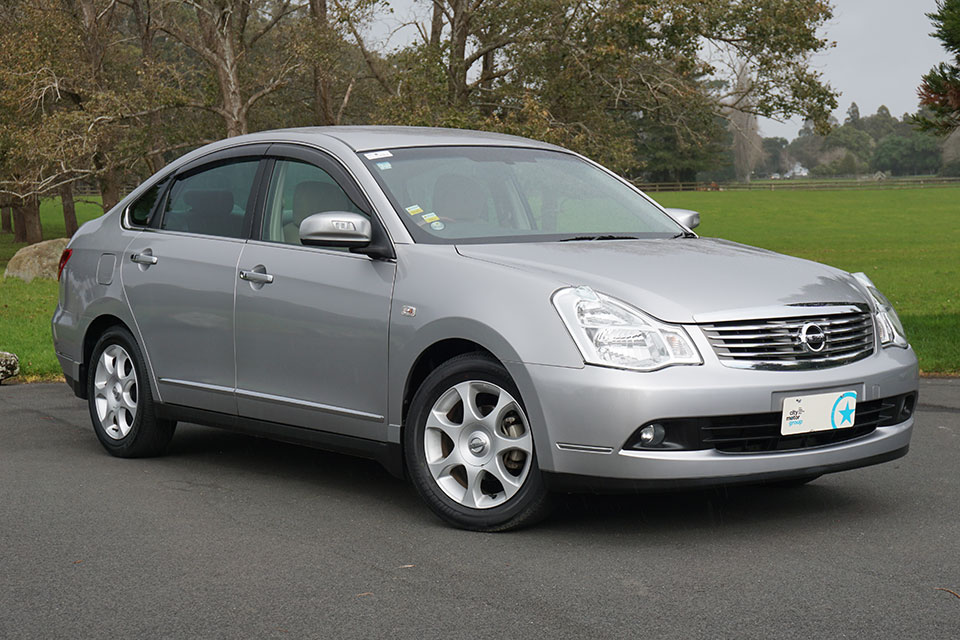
x=437, y=226
x=376, y=155
x=430, y=217
x=383, y=166
x=414, y=209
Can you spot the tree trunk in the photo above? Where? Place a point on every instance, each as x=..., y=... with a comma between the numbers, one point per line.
x=31, y=220
x=322, y=104
x=19, y=228
x=69, y=209
x=234, y=114
x=457, y=90
x=5, y=222
x=487, y=71
x=436, y=23
x=109, y=189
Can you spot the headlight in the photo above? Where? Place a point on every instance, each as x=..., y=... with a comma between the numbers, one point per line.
x=611, y=333
x=888, y=323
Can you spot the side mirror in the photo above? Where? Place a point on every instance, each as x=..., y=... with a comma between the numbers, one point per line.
x=686, y=217
x=336, y=229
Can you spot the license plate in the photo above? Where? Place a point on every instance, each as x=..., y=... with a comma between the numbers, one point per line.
x=818, y=412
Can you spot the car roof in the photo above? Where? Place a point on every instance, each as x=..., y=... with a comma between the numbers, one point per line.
x=371, y=138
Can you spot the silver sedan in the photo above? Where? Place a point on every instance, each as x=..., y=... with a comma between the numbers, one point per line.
x=493, y=317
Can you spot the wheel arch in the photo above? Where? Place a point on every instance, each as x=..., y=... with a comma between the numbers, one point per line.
x=432, y=357
x=96, y=328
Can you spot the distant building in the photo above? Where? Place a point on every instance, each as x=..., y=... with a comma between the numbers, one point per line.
x=797, y=171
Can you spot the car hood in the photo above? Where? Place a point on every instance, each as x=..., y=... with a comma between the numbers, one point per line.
x=683, y=280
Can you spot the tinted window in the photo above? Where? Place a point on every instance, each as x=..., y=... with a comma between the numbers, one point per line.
x=212, y=201
x=298, y=190
x=141, y=210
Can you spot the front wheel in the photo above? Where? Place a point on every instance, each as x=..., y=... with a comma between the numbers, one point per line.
x=469, y=447
x=121, y=405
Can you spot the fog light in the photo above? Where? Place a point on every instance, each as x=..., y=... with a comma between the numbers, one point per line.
x=652, y=435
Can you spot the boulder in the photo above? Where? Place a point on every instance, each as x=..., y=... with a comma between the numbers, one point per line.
x=9, y=365
x=38, y=260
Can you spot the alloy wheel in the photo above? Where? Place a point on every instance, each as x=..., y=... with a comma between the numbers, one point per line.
x=115, y=391
x=477, y=444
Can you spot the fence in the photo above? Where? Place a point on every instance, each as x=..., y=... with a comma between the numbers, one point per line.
x=803, y=185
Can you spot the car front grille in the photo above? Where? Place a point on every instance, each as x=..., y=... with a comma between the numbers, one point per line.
x=777, y=344
x=760, y=432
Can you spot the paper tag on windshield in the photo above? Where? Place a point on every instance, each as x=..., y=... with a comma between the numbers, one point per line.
x=376, y=155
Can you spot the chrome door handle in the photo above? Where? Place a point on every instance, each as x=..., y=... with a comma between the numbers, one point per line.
x=142, y=258
x=256, y=276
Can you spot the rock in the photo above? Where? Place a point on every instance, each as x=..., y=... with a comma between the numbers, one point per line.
x=39, y=260
x=9, y=365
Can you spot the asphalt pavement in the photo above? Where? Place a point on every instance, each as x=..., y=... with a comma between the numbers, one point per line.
x=230, y=536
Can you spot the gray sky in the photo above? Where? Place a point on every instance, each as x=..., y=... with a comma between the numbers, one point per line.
x=883, y=47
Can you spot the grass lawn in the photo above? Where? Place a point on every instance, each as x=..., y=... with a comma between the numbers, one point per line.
x=26, y=308
x=907, y=241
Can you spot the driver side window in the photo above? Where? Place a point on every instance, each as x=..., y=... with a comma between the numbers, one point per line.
x=298, y=190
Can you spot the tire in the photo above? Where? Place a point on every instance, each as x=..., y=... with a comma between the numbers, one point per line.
x=475, y=469
x=120, y=401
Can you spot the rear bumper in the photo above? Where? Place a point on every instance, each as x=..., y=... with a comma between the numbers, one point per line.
x=72, y=373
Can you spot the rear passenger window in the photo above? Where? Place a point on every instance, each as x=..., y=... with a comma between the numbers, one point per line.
x=141, y=210
x=212, y=201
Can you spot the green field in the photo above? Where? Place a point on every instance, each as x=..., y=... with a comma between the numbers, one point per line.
x=907, y=241
x=26, y=308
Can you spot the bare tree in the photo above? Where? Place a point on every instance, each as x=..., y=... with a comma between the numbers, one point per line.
x=224, y=34
x=747, y=144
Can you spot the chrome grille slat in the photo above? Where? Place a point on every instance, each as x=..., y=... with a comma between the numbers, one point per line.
x=775, y=343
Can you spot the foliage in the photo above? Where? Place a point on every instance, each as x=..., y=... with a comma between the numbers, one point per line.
x=623, y=82
x=910, y=154
x=861, y=144
x=775, y=158
x=940, y=89
x=107, y=92
x=951, y=169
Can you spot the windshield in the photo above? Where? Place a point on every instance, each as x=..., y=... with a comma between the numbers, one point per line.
x=508, y=194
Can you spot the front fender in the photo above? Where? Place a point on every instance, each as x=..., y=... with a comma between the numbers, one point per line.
x=440, y=295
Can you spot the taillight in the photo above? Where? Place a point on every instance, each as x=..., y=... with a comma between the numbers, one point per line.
x=63, y=261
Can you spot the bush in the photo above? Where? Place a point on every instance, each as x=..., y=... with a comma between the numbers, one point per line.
x=951, y=169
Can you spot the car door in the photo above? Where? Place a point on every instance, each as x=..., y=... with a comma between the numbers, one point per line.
x=180, y=278
x=311, y=322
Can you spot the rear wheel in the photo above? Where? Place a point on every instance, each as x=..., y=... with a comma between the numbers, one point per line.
x=121, y=404
x=469, y=448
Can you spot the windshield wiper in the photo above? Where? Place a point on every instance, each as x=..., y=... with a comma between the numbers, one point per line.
x=684, y=234
x=600, y=237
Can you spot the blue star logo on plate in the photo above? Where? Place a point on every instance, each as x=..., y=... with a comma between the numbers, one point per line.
x=844, y=410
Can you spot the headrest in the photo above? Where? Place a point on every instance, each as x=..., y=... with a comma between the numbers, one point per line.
x=458, y=197
x=210, y=201
x=318, y=197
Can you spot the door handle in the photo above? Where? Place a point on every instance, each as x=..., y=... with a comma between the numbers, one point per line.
x=256, y=277
x=143, y=258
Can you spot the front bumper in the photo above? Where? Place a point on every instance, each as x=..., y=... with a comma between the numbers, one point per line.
x=582, y=419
